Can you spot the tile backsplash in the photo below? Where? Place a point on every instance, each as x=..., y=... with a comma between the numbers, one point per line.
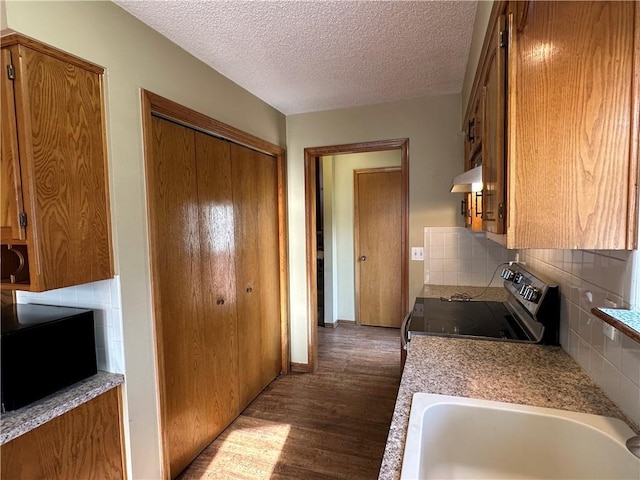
x=590, y=279
x=104, y=299
x=457, y=256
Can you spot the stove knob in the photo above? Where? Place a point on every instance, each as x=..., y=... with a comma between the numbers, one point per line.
x=523, y=289
x=507, y=273
x=535, y=295
x=518, y=278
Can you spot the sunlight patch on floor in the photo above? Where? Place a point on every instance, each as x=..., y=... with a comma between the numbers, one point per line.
x=238, y=450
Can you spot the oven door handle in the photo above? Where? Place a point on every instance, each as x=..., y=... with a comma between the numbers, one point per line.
x=404, y=334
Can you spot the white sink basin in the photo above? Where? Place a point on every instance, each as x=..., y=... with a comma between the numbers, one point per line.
x=457, y=437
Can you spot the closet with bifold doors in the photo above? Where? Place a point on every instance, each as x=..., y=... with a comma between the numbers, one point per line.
x=216, y=256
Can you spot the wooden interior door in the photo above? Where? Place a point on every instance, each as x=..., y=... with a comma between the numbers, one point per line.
x=217, y=241
x=175, y=250
x=10, y=176
x=267, y=186
x=378, y=237
x=246, y=201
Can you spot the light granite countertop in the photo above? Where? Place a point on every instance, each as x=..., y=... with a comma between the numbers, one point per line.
x=18, y=422
x=527, y=374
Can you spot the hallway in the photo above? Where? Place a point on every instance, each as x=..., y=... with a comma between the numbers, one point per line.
x=332, y=424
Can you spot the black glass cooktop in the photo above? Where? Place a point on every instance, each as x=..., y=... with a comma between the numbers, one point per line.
x=491, y=320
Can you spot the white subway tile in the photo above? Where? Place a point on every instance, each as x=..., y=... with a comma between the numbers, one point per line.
x=610, y=380
x=437, y=251
x=437, y=278
x=597, y=337
x=629, y=399
x=613, y=350
x=584, y=354
x=451, y=239
x=436, y=265
x=437, y=239
x=450, y=278
x=451, y=251
x=630, y=360
x=574, y=344
x=102, y=292
x=101, y=357
x=585, y=326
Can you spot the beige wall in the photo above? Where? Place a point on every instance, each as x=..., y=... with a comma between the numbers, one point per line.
x=432, y=125
x=483, y=12
x=3, y=15
x=341, y=248
x=137, y=57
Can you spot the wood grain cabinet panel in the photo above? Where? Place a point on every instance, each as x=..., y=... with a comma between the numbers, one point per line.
x=560, y=141
x=55, y=200
x=213, y=222
x=84, y=443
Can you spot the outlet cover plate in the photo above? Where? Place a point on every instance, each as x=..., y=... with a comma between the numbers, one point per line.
x=417, y=253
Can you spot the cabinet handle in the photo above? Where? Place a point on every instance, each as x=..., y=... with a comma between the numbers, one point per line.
x=249, y=289
x=220, y=301
x=471, y=136
x=478, y=211
x=363, y=258
x=463, y=208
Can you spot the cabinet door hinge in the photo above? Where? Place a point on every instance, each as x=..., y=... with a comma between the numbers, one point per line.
x=22, y=219
x=503, y=38
x=501, y=210
x=11, y=72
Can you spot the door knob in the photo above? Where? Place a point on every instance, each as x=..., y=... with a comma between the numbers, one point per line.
x=249, y=289
x=220, y=301
x=363, y=258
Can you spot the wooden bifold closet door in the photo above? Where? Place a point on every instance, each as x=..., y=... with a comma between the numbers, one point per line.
x=213, y=221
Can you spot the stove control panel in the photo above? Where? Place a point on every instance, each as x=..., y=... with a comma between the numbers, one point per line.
x=526, y=287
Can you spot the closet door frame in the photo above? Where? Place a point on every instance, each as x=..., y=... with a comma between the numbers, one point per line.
x=155, y=105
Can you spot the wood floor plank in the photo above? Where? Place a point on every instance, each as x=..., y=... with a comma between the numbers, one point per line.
x=332, y=424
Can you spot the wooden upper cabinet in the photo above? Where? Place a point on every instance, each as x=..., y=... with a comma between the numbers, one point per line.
x=568, y=136
x=493, y=165
x=55, y=218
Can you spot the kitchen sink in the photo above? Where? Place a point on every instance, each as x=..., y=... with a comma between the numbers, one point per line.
x=457, y=437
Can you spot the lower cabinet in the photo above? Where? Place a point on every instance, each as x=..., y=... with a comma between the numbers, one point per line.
x=84, y=443
x=214, y=230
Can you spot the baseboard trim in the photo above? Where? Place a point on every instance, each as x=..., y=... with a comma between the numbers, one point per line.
x=346, y=322
x=300, y=367
x=331, y=325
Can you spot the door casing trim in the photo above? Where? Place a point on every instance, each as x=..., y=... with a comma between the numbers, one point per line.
x=310, y=154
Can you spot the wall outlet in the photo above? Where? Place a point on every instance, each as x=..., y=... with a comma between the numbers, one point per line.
x=417, y=253
x=610, y=332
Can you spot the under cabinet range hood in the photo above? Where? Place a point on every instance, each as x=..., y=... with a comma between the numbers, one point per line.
x=469, y=181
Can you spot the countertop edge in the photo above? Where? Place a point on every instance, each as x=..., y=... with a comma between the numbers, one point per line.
x=18, y=422
x=614, y=322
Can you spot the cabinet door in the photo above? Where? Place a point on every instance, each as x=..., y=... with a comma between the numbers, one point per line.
x=175, y=251
x=572, y=175
x=493, y=158
x=62, y=145
x=217, y=251
x=85, y=442
x=11, y=187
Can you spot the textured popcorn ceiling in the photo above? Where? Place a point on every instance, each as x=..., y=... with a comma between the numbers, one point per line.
x=305, y=56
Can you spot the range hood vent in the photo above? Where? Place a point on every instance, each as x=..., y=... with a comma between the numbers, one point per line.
x=469, y=181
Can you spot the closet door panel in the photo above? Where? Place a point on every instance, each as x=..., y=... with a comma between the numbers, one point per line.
x=217, y=243
x=175, y=251
x=269, y=267
x=246, y=201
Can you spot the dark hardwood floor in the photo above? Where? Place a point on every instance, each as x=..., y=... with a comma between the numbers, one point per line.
x=331, y=424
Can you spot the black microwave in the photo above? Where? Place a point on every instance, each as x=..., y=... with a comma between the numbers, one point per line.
x=44, y=349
